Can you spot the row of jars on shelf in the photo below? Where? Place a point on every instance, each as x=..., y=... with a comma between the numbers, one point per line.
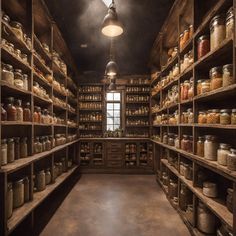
x=14, y=76
x=185, y=36
x=59, y=62
x=18, y=30
x=206, y=220
x=90, y=89
x=135, y=134
x=97, y=148
x=221, y=27
x=90, y=127
x=95, y=116
x=137, y=98
x=93, y=135
x=187, y=61
x=140, y=111
x=130, y=148
x=92, y=97
x=84, y=147
x=138, y=81
x=137, y=122
x=40, y=58
x=137, y=89
x=86, y=105
x=171, y=98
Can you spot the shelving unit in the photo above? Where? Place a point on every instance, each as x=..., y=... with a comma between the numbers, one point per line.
x=199, y=15
x=39, y=28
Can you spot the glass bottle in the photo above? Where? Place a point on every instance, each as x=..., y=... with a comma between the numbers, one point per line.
x=7, y=73
x=200, y=146
x=10, y=150
x=23, y=148
x=210, y=148
x=222, y=154
x=19, y=111
x=27, y=113
x=11, y=109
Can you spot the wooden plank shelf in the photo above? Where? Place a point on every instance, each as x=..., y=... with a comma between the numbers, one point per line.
x=216, y=205
x=41, y=80
x=17, y=123
x=187, y=47
x=40, y=64
x=169, y=65
x=18, y=164
x=39, y=47
x=57, y=70
x=41, y=100
x=20, y=213
x=11, y=89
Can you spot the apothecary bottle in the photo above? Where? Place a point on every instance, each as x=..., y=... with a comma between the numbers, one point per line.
x=11, y=109
x=27, y=113
x=7, y=73
x=19, y=111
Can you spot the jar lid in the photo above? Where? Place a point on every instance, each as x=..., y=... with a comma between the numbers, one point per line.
x=10, y=140
x=187, y=30
x=209, y=184
x=234, y=110
x=25, y=76
x=210, y=137
x=228, y=66
x=16, y=24
x=185, y=136
x=18, y=71
x=201, y=138
x=203, y=37
x=224, y=146
x=225, y=111
x=230, y=13
x=181, y=35
x=3, y=141
x=17, y=139
x=8, y=66
x=216, y=69
x=20, y=181
x=215, y=110
x=215, y=20
x=41, y=172
x=233, y=150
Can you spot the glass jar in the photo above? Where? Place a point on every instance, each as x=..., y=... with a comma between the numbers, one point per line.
x=210, y=189
x=27, y=113
x=10, y=150
x=9, y=203
x=24, y=58
x=17, y=148
x=19, y=111
x=233, y=117
x=25, y=82
x=48, y=177
x=213, y=116
x=181, y=168
x=190, y=214
x=26, y=189
x=190, y=116
x=165, y=138
x=216, y=78
x=200, y=146
x=203, y=46
x=217, y=31
x=185, y=36
x=171, y=140
x=36, y=115
x=185, y=197
x=186, y=89
x=190, y=90
x=177, y=143
x=40, y=181
x=3, y=152
x=190, y=31
x=199, y=87
x=206, y=221
x=18, y=79
x=188, y=174
x=222, y=154
x=181, y=43
x=11, y=109
x=202, y=117
x=173, y=189
x=48, y=145
x=18, y=193
x=185, y=142
x=7, y=73
x=231, y=159
x=225, y=117
x=23, y=148
x=230, y=23
x=17, y=29
x=165, y=178
x=3, y=113
x=206, y=86
x=229, y=199
x=210, y=148
x=228, y=78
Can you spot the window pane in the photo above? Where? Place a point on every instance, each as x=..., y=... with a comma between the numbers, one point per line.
x=110, y=113
x=109, y=106
x=117, y=121
x=116, y=96
x=110, y=121
x=117, y=113
x=117, y=106
x=116, y=127
x=110, y=96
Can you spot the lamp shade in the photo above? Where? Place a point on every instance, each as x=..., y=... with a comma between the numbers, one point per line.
x=112, y=85
x=111, y=26
x=111, y=69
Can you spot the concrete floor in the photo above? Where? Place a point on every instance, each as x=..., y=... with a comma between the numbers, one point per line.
x=116, y=205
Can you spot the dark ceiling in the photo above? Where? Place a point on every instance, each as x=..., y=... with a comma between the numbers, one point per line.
x=80, y=23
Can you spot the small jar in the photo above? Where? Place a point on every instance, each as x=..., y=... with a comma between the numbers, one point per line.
x=18, y=79
x=173, y=189
x=217, y=31
x=11, y=109
x=188, y=173
x=185, y=143
x=190, y=116
x=181, y=168
x=10, y=150
x=228, y=78
x=5, y=18
x=206, y=220
x=165, y=138
x=186, y=36
x=165, y=178
x=48, y=177
x=203, y=46
x=177, y=143
x=23, y=148
x=190, y=31
x=9, y=204
x=233, y=117
x=25, y=82
x=216, y=78
x=171, y=140
x=27, y=113
x=24, y=58
x=48, y=145
x=181, y=42
x=190, y=214
x=206, y=86
x=19, y=111
x=200, y=146
x=199, y=87
x=3, y=113
x=185, y=197
x=225, y=117
x=17, y=29
x=231, y=159
x=210, y=148
x=222, y=154
x=26, y=189
x=229, y=199
x=18, y=193
x=230, y=23
x=210, y=189
x=3, y=152
x=17, y=148
x=213, y=116
x=40, y=181
x=190, y=91
x=202, y=117
x=7, y=73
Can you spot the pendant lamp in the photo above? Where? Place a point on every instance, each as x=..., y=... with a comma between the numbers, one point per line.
x=111, y=67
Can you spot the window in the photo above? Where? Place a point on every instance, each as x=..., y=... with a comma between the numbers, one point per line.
x=113, y=108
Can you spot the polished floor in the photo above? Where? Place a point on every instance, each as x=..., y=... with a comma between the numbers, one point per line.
x=116, y=205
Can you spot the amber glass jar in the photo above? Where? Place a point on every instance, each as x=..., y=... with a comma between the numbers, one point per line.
x=19, y=111
x=225, y=117
x=228, y=78
x=218, y=31
x=233, y=117
x=213, y=116
x=190, y=31
x=203, y=46
x=185, y=36
x=216, y=78
x=27, y=112
x=200, y=146
x=202, y=117
x=199, y=87
x=206, y=86
x=11, y=109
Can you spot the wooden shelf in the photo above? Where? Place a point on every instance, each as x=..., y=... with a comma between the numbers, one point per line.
x=57, y=70
x=40, y=64
x=41, y=100
x=18, y=164
x=137, y=102
x=42, y=52
x=11, y=89
x=187, y=47
x=41, y=80
x=169, y=65
x=16, y=123
x=216, y=205
x=20, y=213
x=137, y=92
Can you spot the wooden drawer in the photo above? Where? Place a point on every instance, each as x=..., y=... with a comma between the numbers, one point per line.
x=114, y=163
x=115, y=145
x=114, y=156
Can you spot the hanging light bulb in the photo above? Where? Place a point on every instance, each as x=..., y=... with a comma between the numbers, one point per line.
x=111, y=67
x=111, y=26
